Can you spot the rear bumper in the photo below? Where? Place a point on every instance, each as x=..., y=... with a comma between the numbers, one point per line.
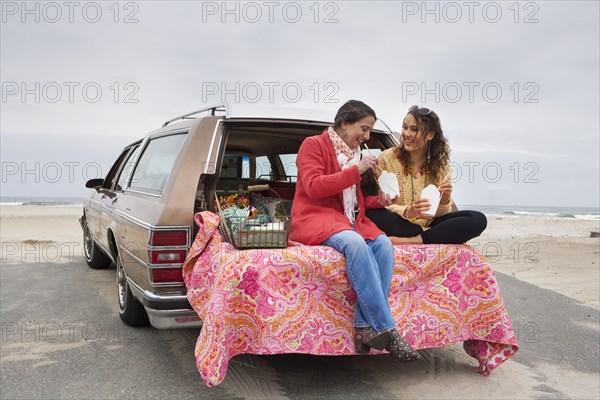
x=170, y=311
x=165, y=302
x=167, y=311
x=173, y=319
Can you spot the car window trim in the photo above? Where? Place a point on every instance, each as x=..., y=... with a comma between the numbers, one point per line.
x=210, y=149
x=117, y=166
x=132, y=149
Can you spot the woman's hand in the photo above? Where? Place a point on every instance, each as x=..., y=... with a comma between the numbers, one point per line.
x=445, y=189
x=366, y=163
x=418, y=208
x=384, y=199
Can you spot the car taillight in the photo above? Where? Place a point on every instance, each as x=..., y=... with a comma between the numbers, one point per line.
x=161, y=252
x=168, y=238
x=162, y=275
x=167, y=256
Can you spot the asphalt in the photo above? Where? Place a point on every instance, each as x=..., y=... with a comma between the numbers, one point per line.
x=551, y=328
x=62, y=338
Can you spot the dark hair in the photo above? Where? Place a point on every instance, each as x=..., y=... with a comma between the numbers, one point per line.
x=439, y=149
x=351, y=112
x=368, y=184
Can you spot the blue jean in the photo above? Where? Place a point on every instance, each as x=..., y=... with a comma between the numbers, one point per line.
x=369, y=265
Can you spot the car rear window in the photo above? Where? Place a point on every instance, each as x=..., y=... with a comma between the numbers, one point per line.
x=155, y=165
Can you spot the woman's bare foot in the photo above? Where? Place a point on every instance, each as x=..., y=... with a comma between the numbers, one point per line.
x=406, y=240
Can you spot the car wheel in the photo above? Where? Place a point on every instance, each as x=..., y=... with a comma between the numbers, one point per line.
x=94, y=257
x=131, y=311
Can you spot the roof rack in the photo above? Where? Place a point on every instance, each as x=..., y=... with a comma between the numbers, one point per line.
x=224, y=107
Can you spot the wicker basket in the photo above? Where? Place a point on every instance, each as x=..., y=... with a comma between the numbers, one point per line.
x=260, y=232
x=244, y=233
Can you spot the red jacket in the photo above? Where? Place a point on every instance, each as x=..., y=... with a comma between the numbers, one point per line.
x=318, y=207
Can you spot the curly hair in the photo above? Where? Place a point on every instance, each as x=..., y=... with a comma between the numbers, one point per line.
x=439, y=150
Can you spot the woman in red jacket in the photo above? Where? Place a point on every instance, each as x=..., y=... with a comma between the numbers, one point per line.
x=329, y=209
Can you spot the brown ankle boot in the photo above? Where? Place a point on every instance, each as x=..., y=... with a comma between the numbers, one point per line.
x=399, y=349
x=365, y=338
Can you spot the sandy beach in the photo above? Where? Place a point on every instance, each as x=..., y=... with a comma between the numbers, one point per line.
x=554, y=254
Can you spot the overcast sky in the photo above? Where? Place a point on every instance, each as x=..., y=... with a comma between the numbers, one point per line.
x=516, y=84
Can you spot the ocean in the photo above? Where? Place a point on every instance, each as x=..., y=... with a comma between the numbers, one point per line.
x=41, y=201
x=583, y=213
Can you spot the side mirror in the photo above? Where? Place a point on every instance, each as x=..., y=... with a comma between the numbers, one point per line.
x=95, y=183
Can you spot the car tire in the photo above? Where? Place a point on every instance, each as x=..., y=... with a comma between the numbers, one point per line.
x=131, y=311
x=94, y=257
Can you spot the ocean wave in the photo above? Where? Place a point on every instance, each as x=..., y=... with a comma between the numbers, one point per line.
x=533, y=213
x=557, y=215
x=587, y=217
x=566, y=215
x=541, y=214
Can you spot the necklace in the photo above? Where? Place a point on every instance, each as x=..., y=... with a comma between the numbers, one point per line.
x=412, y=186
x=409, y=169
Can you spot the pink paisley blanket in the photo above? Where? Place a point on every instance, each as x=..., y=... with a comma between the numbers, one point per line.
x=299, y=300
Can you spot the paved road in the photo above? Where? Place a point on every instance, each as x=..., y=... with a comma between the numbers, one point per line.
x=62, y=338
